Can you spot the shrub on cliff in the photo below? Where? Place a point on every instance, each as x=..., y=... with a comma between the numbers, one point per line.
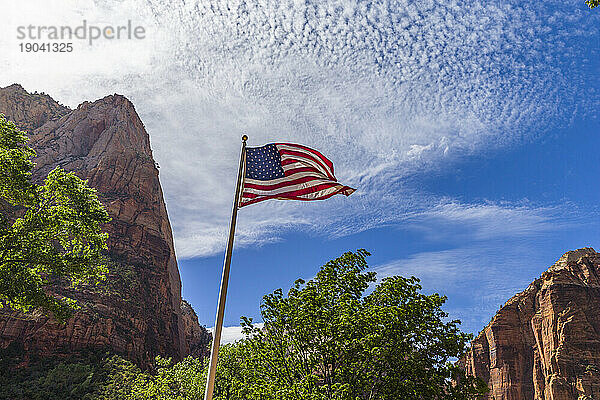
x=48, y=231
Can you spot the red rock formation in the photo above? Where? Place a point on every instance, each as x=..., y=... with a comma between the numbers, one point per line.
x=197, y=336
x=30, y=110
x=544, y=343
x=138, y=312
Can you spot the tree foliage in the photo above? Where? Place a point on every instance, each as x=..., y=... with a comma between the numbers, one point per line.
x=48, y=231
x=593, y=3
x=328, y=340
x=88, y=376
x=335, y=337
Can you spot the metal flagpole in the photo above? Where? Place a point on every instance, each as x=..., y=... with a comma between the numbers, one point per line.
x=212, y=367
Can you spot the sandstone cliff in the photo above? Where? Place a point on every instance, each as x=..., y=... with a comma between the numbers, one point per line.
x=544, y=343
x=197, y=336
x=138, y=312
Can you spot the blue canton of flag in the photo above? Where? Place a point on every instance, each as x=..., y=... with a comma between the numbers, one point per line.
x=263, y=163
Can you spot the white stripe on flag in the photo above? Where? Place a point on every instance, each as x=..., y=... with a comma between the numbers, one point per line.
x=321, y=193
x=302, y=162
x=309, y=154
x=290, y=188
x=284, y=179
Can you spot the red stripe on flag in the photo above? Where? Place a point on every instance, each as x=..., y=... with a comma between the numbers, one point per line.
x=289, y=196
x=297, y=157
x=315, y=152
x=281, y=184
x=308, y=168
x=294, y=193
x=298, y=192
x=302, y=169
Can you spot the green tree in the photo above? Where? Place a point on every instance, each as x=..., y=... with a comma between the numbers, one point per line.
x=88, y=375
x=593, y=3
x=328, y=340
x=336, y=337
x=48, y=232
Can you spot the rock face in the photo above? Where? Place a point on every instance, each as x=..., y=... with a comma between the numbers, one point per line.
x=197, y=336
x=30, y=110
x=544, y=343
x=138, y=312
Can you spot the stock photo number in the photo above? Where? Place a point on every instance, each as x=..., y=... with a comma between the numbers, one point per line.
x=46, y=47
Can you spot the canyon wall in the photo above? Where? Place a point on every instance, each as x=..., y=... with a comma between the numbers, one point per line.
x=544, y=343
x=138, y=312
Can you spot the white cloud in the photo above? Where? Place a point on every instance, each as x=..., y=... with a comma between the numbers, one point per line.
x=489, y=253
x=231, y=334
x=473, y=277
x=383, y=88
x=487, y=221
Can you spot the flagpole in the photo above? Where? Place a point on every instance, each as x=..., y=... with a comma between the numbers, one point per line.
x=212, y=367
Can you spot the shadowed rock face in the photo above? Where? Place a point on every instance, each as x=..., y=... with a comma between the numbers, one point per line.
x=544, y=343
x=138, y=312
x=196, y=336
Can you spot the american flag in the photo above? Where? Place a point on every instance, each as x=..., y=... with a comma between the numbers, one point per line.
x=287, y=171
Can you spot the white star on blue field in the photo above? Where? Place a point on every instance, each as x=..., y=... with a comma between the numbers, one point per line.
x=263, y=163
x=469, y=128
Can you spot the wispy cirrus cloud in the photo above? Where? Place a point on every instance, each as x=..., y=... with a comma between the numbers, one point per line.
x=490, y=221
x=488, y=253
x=385, y=88
x=474, y=277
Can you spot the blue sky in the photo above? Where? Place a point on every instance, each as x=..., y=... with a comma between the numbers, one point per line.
x=468, y=127
x=478, y=262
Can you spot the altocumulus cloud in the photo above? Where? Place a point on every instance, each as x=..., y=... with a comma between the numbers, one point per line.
x=385, y=88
